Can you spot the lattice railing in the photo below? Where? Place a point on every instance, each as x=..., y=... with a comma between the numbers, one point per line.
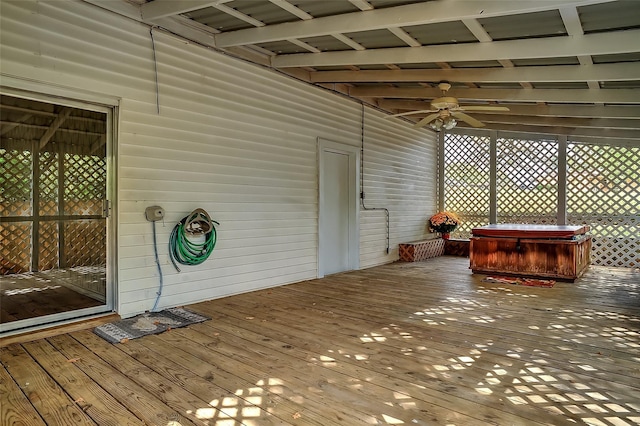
x=49, y=254
x=48, y=183
x=37, y=243
x=84, y=184
x=85, y=243
x=15, y=182
x=15, y=248
x=603, y=191
x=15, y=200
x=466, y=184
x=527, y=181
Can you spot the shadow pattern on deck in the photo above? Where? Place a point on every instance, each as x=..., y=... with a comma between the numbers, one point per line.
x=422, y=343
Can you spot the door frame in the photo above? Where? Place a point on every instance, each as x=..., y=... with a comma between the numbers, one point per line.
x=71, y=97
x=353, y=152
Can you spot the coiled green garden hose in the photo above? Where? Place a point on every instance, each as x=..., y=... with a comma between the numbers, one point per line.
x=186, y=245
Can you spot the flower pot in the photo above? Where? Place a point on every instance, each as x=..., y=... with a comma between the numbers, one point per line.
x=445, y=235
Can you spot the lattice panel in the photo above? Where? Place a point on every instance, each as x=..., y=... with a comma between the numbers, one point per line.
x=527, y=181
x=421, y=250
x=84, y=184
x=466, y=169
x=15, y=182
x=48, y=185
x=603, y=191
x=469, y=221
x=48, y=255
x=15, y=250
x=85, y=243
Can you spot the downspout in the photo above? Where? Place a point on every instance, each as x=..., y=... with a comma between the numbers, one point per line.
x=364, y=206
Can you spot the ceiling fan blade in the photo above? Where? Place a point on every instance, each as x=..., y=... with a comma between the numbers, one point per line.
x=467, y=119
x=483, y=108
x=426, y=120
x=402, y=114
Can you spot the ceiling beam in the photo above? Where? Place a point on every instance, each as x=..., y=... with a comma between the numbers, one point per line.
x=598, y=122
x=557, y=74
x=7, y=127
x=361, y=4
x=404, y=36
x=292, y=9
x=528, y=120
x=99, y=143
x=483, y=36
x=612, y=96
x=203, y=35
x=55, y=124
x=346, y=40
x=572, y=23
x=547, y=47
x=121, y=8
x=558, y=130
x=595, y=111
x=391, y=17
x=183, y=27
x=162, y=8
x=237, y=14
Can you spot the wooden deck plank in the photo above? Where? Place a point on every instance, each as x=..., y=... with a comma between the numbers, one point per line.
x=128, y=393
x=612, y=361
x=525, y=334
x=254, y=392
x=98, y=404
x=362, y=389
x=420, y=343
x=359, y=357
x=245, y=406
x=538, y=320
x=28, y=295
x=53, y=404
x=195, y=408
x=259, y=373
x=480, y=361
x=15, y=407
x=30, y=336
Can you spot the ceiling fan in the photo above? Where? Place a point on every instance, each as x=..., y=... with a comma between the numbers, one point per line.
x=446, y=109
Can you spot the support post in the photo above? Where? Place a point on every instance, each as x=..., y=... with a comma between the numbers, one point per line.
x=562, y=179
x=493, y=176
x=441, y=156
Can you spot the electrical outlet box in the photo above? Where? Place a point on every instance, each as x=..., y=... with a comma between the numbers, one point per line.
x=154, y=213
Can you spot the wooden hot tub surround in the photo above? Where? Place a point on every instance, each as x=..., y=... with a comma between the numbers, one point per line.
x=551, y=251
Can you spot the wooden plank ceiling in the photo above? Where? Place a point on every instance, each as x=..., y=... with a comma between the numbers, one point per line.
x=561, y=66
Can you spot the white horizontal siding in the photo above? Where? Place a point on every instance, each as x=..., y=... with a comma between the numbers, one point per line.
x=233, y=138
x=400, y=172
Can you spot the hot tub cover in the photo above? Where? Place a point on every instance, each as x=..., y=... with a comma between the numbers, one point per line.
x=516, y=230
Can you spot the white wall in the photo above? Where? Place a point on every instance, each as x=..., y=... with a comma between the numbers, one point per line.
x=233, y=138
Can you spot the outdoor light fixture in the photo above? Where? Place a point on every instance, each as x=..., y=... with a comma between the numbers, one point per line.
x=446, y=123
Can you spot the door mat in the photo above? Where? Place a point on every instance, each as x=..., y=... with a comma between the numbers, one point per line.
x=147, y=323
x=530, y=282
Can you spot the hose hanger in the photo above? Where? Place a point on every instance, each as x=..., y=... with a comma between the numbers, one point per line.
x=186, y=245
x=198, y=222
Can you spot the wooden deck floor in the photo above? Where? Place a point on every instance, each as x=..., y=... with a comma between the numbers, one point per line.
x=36, y=294
x=424, y=343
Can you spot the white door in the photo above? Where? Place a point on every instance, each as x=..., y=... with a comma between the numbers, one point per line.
x=338, y=216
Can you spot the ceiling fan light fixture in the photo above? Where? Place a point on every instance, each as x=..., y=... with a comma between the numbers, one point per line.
x=437, y=124
x=446, y=123
x=450, y=123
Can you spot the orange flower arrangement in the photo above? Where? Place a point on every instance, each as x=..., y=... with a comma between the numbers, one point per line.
x=444, y=222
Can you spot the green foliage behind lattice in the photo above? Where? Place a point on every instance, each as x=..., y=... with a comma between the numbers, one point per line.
x=466, y=184
x=603, y=189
